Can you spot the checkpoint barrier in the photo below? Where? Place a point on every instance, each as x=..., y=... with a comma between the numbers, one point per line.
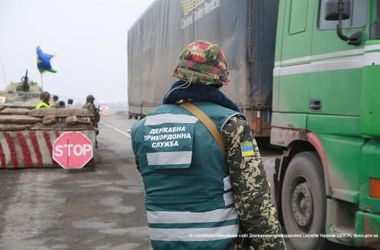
x=73, y=150
x=27, y=136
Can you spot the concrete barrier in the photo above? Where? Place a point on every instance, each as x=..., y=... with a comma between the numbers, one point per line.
x=26, y=149
x=27, y=137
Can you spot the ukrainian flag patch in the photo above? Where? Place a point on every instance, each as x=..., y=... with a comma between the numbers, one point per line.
x=247, y=149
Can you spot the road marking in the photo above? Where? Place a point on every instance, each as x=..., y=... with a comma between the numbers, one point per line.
x=116, y=129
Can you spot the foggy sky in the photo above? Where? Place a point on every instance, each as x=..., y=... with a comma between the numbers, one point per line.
x=87, y=37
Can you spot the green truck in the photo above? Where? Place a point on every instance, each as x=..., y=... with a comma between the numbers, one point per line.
x=307, y=74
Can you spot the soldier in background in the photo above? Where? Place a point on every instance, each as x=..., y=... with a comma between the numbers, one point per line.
x=55, y=101
x=60, y=105
x=90, y=106
x=189, y=181
x=45, y=98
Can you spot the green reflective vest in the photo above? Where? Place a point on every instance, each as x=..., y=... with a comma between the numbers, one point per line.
x=42, y=105
x=188, y=194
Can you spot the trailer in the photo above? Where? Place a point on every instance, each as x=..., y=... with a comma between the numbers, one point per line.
x=158, y=37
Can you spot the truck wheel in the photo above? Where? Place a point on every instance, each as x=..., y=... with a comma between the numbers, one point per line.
x=303, y=201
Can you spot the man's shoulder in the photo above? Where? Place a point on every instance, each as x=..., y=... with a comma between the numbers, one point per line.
x=89, y=106
x=235, y=124
x=216, y=107
x=164, y=108
x=138, y=124
x=238, y=120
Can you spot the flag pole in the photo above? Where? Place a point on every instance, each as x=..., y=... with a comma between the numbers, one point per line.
x=4, y=75
x=42, y=82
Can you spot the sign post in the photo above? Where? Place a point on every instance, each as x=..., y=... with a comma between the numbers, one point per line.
x=72, y=150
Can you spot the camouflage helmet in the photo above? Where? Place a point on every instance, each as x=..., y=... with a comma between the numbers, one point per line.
x=90, y=98
x=204, y=62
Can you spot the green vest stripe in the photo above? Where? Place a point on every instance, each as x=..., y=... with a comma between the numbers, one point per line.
x=227, y=183
x=191, y=217
x=198, y=245
x=194, y=234
x=194, y=225
x=169, y=118
x=228, y=199
x=169, y=158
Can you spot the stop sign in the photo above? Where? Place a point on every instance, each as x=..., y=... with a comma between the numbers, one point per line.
x=72, y=150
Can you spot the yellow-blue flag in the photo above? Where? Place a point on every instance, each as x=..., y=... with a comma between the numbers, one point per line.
x=43, y=61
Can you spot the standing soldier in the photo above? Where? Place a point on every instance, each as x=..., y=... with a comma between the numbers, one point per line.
x=90, y=103
x=90, y=106
x=45, y=98
x=60, y=105
x=55, y=101
x=203, y=175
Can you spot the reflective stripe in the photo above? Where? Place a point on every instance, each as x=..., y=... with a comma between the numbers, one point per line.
x=336, y=54
x=344, y=63
x=42, y=105
x=227, y=183
x=340, y=60
x=217, y=215
x=228, y=198
x=194, y=234
x=169, y=118
x=169, y=158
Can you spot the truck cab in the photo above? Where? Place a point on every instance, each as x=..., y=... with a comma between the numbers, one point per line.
x=326, y=113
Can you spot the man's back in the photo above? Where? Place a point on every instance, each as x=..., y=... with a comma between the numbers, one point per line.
x=187, y=187
x=210, y=177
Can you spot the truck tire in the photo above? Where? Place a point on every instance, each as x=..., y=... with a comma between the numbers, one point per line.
x=303, y=201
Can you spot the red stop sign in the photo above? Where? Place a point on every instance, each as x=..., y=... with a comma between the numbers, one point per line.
x=72, y=150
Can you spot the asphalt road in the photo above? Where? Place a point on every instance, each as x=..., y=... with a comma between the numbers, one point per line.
x=93, y=208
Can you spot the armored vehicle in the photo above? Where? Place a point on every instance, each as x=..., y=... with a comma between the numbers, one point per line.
x=23, y=93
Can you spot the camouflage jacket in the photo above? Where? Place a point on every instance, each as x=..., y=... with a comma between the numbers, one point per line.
x=93, y=110
x=251, y=190
x=90, y=106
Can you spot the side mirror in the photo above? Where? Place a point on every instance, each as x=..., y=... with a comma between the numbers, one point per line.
x=332, y=10
x=339, y=10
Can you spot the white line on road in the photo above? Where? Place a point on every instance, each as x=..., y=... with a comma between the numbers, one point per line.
x=116, y=129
